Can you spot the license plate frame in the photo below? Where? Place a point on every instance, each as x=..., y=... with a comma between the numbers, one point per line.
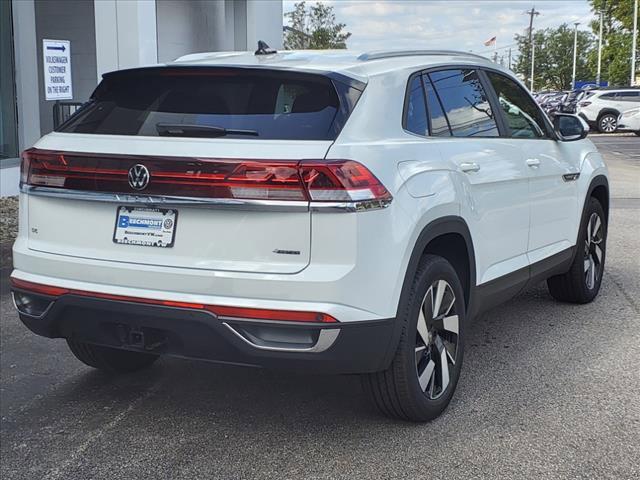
x=145, y=226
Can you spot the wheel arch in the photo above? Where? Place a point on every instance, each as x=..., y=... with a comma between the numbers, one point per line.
x=599, y=189
x=449, y=237
x=605, y=111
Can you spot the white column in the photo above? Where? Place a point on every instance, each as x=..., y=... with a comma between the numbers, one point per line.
x=575, y=55
x=26, y=72
x=264, y=22
x=126, y=34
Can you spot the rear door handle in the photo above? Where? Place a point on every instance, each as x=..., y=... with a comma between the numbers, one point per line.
x=533, y=162
x=469, y=167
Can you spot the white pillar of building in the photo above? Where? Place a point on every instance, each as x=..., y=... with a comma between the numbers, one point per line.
x=26, y=72
x=126, y=34
x=264, y=22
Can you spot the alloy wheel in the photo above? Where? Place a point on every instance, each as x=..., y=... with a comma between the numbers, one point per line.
x=437, y=339
x=593, y=251
x=608, y=124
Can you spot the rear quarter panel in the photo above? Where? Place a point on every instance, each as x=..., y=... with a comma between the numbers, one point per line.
x=412, y=169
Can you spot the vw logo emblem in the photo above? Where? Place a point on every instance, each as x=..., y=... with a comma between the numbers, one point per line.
x=139, y=177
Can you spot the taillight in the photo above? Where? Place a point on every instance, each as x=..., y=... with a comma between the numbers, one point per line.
x=305, y=180
x=237, y=313
x=584, y=104
x=341, y=181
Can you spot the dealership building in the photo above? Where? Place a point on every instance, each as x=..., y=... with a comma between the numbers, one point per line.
x=57, y=50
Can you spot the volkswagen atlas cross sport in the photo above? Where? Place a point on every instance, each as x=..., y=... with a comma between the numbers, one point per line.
x=311, y=211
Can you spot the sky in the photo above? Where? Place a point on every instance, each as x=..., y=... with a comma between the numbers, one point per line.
x=450, y=24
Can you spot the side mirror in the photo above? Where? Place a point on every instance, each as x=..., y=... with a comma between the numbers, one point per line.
x=570, y=127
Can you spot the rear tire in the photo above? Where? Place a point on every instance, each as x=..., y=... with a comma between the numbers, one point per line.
x=111, y=360
x=582, y=282
x=607, y=123
x=422, y=377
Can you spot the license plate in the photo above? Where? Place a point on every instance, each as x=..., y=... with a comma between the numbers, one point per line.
x=150, y=227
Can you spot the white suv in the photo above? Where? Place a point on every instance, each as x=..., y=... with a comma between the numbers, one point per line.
x=601, y=108
x=630, y=120
x=311, y=211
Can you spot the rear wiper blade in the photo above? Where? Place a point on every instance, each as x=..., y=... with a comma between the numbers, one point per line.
x=209, y=131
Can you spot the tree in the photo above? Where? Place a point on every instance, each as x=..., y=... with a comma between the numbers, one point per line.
x=554, y=57
x=615, y=12
x=314, y=28
x=616, y=40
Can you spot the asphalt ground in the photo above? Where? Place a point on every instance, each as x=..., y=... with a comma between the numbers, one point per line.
x=548, y=390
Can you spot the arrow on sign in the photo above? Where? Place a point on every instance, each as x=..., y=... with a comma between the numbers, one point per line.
x=61, y=48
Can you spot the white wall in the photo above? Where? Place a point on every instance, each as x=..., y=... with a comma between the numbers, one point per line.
x=67, y=20
x=190, y=27
x=264, y=22
x=216, y=25
x=9, y=181
x=126, y=34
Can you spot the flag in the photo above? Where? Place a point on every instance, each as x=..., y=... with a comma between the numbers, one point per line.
x=491, y=41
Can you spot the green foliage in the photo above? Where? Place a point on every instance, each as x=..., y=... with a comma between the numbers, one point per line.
x=616, y=39
x=554, y=57
x=617, y=14
x=616, y=58
x=314, y=28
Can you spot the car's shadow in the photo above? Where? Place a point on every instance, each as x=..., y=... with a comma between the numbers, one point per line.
x=509, y=348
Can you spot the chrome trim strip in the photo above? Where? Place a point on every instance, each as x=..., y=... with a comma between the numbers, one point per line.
x=164, y=200
x=21, y=312
x=360, y=206
x=283, y=323
x=570, y=177
x=213, y=203
x=326, y=339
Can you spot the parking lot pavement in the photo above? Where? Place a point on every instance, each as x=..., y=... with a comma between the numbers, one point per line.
x=621, y=144
x=548, y=390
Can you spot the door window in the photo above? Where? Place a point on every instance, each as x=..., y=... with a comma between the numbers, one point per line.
x=439, y=125
x=629, y=96
x=465, y=103
x=416, y=112
x=523, y=116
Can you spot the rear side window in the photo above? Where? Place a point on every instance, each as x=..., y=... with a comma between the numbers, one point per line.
x=608, y=96
x=523, y=116
x=415, y=112
x=215, y=102
x=465, y=103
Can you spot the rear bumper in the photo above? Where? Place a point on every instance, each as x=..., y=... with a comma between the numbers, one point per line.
x=354, y=347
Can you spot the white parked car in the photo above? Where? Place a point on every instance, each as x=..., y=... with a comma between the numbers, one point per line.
x=601, y=108
x=311, y=211
x=630, y=120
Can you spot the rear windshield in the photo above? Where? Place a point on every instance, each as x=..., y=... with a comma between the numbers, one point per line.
x=216, y=102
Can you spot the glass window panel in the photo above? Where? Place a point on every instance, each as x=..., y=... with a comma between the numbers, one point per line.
x=465, y=102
